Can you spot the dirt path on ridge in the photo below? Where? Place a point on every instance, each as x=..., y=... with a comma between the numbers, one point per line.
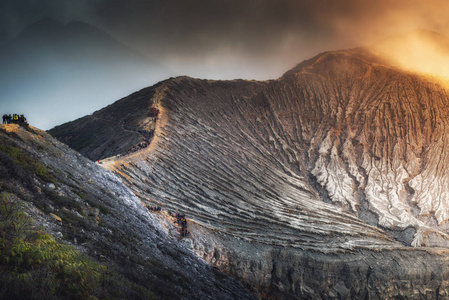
x=111, y=163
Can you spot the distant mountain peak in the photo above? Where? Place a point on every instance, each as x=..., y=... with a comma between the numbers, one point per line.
x=420, y=51
x=84, y=27
x=47, y=22
x=44, y=26
x=51, y=27
x=337, y=64
x=78, y=66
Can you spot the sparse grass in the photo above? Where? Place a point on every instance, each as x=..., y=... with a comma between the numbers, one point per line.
x=35, y=266
x=37, y=263
x=79, y=193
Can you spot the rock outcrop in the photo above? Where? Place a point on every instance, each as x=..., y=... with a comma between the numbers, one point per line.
x=329, y=182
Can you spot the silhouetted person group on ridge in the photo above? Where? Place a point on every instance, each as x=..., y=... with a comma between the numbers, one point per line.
x=154, y=208
x=14, y=119
x=142, y=145
x=180, y=219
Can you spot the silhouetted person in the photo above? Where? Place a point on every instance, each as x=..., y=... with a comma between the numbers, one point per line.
x=5, y=118
x=9, y=120
x=185, y=232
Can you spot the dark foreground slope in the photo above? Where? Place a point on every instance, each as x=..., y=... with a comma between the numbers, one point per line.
x=328, y=182
x=52, y=189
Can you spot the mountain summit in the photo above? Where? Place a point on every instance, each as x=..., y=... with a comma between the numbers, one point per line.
x=298, y=186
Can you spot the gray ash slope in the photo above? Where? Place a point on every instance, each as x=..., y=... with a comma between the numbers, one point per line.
x=104, y=219
x=328, y=182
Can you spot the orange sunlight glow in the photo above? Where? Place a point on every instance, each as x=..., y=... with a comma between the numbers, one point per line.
x=421, y=51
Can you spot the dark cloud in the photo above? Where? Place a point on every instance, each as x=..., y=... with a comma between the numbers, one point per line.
x=201, y=25
x=202, y=31
x=275, y=33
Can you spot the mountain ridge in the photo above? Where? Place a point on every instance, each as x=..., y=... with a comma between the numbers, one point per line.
x=339, y=71
x=343, y=157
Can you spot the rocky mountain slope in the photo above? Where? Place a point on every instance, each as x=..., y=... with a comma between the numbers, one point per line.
x=128, y=253
x=329, y=182
x=111, y=130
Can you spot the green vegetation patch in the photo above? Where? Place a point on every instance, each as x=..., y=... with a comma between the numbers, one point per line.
x=35, y=266
x=37, y=262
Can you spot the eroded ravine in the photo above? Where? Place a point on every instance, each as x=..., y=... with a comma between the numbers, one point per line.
x=228, y=180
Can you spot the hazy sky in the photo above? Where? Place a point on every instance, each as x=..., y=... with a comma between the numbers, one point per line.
x=234, y=38
x=251, y=39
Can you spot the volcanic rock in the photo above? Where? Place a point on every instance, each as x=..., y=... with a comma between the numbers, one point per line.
x=329, y=182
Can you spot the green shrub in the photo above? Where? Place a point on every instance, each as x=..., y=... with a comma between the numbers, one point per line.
x=35, y=266
x=35, y=259
x=68, y=273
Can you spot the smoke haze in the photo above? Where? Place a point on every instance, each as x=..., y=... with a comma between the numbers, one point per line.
x=251, y=39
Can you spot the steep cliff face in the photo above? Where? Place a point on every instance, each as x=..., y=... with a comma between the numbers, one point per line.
x=328, y=182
